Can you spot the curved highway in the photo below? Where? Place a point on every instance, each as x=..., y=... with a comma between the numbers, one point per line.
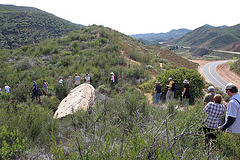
x=209, y=71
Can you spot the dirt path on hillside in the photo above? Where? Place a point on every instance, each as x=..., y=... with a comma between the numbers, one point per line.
x=126, y=57
x=148, y=94
x=223, y=70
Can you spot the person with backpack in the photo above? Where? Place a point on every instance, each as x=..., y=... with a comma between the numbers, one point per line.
x=45, y=86
x=34, y=89
x=186, y=93
x=158, y=93
x=171, y=89
x=77, y=80
x=232, y=119
x=113, y=79
x=87, y=79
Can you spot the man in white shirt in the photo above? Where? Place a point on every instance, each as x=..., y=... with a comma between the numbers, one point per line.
x=112, y=79
x=232, y=122
x=87, y=79
x=7, y=88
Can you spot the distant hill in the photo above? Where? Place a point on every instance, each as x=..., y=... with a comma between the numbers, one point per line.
x=153, y=38
x=26, y=25
x=208, y=25
x=209, y=37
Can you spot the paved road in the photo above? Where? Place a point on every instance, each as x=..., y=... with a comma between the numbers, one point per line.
x=209, y=70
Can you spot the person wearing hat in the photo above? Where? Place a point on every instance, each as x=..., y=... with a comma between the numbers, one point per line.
x=170, y=92
x=186, y=93
x=209, y=96
x=158, y=93
x=232, y=119
x=112, y=79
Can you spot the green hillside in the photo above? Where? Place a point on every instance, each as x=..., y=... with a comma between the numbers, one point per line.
x=211, y=37
x=25, y=25
x=121, y=124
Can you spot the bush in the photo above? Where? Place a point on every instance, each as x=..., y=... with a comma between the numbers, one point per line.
x=60, y=91
x=179, y=75
x=13, y=143
x=21, y=94
x=51, y=103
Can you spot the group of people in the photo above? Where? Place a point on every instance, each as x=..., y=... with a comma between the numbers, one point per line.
x=171, y=89
x=215, y=109
x=77, y=79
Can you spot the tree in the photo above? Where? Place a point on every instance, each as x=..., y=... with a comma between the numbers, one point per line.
x=179, y=75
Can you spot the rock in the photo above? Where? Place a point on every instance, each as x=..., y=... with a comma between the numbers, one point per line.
x=81, y=97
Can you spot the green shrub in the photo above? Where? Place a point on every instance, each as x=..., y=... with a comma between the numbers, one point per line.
x=51, y=103
x=60, y=91
x=12, y=143
x=228, y=145
x=179, y=75
x=21, y=94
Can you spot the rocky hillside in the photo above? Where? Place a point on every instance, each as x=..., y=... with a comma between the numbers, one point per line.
x=25, y=25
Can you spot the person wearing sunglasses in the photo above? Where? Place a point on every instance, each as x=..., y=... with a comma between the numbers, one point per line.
x=232, y=121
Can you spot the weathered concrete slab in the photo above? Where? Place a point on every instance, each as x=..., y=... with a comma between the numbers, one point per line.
x=80, y=97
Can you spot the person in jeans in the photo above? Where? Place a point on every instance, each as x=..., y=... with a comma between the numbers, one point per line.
x=158, y=93
x=214, y=112
x=170, y=93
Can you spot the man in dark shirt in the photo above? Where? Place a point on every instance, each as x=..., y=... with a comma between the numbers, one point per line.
x=34, y=89
x=158, y=93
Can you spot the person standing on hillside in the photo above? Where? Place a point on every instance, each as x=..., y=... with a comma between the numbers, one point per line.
x=170, y=92
x=158, y=93
x=232, y=119
x=209, y=96
x=186, y=93
x=112, y=79
x=87, y=79
x=214, y=112
x=60, y=81
x=77, y=80
x=7, y=88
x=34, y=89
x=45, y=86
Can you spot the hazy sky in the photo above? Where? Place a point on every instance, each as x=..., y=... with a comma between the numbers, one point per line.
x=141, y=16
